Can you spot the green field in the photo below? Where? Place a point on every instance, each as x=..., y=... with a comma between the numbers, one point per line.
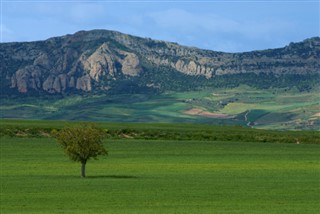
x=265, y=109
x=159, y=176
x=163, y=131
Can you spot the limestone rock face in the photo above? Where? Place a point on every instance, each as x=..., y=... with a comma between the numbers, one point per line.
x=100, y=63
x=131, y=64
x=26, y=78
x=48, y=84
x=105, y=63
x=84, y=83
x=63, y=79
x=99, y=59
x=42, y=60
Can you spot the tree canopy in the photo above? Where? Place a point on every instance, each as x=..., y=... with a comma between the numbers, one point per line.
x=81, y=143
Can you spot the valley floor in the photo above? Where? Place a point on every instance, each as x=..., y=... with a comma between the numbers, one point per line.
x=265, y=109
x=161, y=176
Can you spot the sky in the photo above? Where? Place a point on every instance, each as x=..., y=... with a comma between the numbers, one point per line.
x=229, y=25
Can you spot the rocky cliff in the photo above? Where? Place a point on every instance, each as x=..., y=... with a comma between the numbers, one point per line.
x=101, y=60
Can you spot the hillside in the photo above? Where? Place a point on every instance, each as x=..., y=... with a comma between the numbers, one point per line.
x=101, y=61
x=104, y=75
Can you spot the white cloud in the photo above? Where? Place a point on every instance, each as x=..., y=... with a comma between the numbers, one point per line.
x=209, y=26
x=201, y=27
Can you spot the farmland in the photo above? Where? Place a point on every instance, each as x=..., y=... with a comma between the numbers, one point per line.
x=264, y=109
x=159, y=175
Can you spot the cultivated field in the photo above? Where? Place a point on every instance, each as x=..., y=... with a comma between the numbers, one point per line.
x=266, y=109
x=159, y=176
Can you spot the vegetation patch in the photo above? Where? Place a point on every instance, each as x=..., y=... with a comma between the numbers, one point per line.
x=163, y=131
x=161, y=176
x=268, y=108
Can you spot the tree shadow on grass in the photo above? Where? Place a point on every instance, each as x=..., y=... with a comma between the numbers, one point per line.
x=113, y=177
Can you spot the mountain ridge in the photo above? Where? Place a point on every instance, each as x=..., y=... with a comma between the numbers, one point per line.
x=103, y=61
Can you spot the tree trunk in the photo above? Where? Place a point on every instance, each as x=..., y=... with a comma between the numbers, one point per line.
x=83, y=169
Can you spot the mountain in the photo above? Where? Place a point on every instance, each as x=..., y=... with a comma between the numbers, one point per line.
x=101, y=61
x=102, y=75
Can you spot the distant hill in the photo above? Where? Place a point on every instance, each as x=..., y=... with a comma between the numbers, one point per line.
x=101, y=61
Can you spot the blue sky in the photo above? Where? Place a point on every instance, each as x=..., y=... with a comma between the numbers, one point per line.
x=230, y=26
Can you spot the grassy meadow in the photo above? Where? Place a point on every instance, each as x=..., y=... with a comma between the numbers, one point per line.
x=265, y=109
x=146, y=175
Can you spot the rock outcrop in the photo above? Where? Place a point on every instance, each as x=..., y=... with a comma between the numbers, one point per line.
x=98, y=59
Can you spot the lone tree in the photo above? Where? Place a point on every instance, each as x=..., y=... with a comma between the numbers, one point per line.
x=81, y=143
